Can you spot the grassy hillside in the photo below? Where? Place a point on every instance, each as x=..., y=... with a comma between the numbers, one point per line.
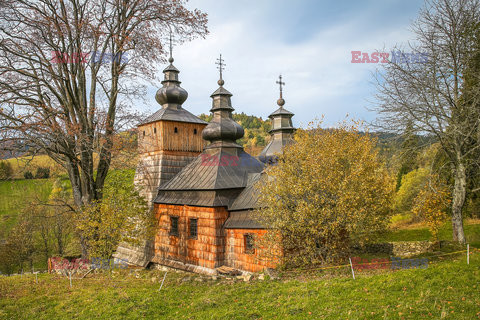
x=445, y=290
x=15, y=194
x=420, y=233
x=23, y=164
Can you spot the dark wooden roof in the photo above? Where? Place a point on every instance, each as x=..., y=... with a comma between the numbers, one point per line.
x=281, y=111
x=203, y=183
x=248, y=198
x=173, y=114
x=242, y=220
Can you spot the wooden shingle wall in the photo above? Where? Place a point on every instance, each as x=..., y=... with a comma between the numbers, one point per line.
x=236, y=255
x=207, y=250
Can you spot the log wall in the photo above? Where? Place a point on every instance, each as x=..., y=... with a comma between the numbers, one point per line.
x=207, y=250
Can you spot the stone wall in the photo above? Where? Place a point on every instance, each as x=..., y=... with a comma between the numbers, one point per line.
x=404, y=249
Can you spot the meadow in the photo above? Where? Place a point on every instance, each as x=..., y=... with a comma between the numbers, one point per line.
x=447, y=289
x=15, y=196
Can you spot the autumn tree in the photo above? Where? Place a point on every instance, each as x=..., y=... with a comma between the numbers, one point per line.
x=428, y=94
x=67, y=72
x=431, y=204
x=327, y=192
x=122, y=216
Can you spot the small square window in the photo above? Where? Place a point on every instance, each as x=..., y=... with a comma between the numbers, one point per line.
x=155, y=130
x=193, y=228
x=249, y=244
x=175, y=130
x=144, y=133
x=194, y=131
x=174, y=226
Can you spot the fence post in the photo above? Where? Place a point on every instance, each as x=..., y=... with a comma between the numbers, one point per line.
x=70, y=274
x=163, y=280
x=468, y=253
x=351, y=266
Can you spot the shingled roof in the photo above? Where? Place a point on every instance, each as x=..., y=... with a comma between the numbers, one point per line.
x=220, y=173
x=173, y=114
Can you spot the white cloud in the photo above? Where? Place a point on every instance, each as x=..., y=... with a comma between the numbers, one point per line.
x=319, y=76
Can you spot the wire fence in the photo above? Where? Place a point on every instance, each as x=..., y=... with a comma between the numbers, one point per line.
x=354, y=267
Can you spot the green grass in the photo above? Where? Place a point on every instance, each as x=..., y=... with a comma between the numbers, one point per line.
x=472, y=233
x=446, y=290
x=16, y=194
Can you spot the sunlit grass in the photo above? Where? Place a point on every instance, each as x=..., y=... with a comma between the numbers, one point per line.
x=448, y=289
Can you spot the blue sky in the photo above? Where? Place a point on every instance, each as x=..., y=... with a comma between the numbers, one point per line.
x=308, y=42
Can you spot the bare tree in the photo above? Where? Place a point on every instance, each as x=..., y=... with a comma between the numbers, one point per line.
x=67, y=68
x=428, y=92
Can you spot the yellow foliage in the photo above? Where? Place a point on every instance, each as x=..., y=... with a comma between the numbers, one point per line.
x=328, y=191
x=431, y=205
x=411, y=185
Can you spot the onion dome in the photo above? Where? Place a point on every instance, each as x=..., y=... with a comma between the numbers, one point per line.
x=171, y=95
x=281, y=132
x=222, y=131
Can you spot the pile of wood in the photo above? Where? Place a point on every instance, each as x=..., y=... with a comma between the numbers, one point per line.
x=227, y=271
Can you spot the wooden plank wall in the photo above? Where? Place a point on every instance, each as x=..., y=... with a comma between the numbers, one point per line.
x=208, y=250
x=165, y=138
x=237, y=258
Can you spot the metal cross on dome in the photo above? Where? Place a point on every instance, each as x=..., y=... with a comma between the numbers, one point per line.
x=171, y=44
x=280, y=83
x=221, y=65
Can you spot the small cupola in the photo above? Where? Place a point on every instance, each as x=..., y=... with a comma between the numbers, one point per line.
x=171, y=95
x=281, y=132
x=222, y=131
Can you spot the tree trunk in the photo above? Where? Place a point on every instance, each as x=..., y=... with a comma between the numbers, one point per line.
x=458, y=199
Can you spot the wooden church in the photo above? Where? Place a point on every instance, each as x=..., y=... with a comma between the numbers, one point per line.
x=200, y=182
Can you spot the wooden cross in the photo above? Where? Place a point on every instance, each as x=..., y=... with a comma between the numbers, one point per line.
x=281, y=84
x=221, y=65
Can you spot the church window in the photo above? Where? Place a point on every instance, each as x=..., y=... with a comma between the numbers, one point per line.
x=249, y=244
x=174, y=226
x=194, y=131
x=193, y=228
x=144, y=133
x=155, y=130
x=175, y=130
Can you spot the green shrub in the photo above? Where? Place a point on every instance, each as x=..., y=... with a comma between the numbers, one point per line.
x=6, y=170
x=43, y=173
x=28, y=175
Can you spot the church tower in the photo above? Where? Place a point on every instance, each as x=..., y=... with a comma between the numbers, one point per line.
x=281, y=132
x=169, y=139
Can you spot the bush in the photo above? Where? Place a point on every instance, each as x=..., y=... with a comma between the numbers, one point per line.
x=431, y=205
x=329, y=191
x=6, y=170
x=43, y=173
x=28, y=175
